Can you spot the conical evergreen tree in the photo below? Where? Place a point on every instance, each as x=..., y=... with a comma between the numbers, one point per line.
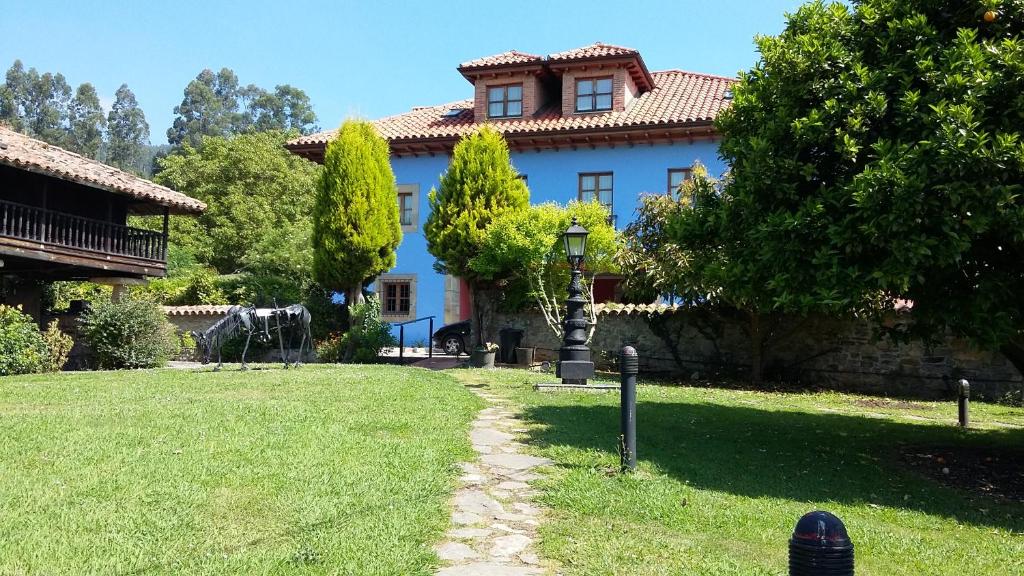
x=479, y=186
x=355, y=215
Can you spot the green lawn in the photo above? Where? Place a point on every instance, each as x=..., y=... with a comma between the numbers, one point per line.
x=318, y=470
x=725, y=474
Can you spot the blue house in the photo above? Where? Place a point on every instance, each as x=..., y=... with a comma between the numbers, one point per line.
x=588, y=123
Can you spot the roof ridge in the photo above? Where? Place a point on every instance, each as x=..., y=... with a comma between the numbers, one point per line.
x=692, y=73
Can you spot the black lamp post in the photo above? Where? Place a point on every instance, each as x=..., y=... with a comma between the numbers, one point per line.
x=574, y=365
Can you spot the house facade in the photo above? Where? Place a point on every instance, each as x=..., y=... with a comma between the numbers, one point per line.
x=591, y=123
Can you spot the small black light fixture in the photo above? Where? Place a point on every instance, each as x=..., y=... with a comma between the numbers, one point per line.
x=574, y=364
x=820, y=546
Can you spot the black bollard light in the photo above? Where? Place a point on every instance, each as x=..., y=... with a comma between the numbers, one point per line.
x=629, y=366
x=820, y=547
x=964, y=403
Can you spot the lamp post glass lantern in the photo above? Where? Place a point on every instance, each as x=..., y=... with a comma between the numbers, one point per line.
x=574, y=364
x=575, y=239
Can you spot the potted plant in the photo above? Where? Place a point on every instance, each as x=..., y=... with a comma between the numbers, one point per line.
x=483, y=356
x=524, y=356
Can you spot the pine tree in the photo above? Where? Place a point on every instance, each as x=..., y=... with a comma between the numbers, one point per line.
x=479, y=186
x=86, y=122
x=128, y=131
x=355, y=215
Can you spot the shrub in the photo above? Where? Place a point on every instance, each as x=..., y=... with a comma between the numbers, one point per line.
x=130, y=333
x=22, y=348
x=330, y=348
x=367, y=334
x=58, y=347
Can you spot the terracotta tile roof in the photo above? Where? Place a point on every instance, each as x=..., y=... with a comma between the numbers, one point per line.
x=503, y=59
x=27, y=153
x=596, y=50
x=198, y=310
x=678, y=98
x=629, y=309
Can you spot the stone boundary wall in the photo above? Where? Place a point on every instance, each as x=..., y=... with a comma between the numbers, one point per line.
x=818, y=352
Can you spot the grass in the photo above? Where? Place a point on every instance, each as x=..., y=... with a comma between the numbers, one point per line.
x=724, y=475
x=312, y=471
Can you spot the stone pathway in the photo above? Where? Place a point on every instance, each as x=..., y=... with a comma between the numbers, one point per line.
x=494, y=522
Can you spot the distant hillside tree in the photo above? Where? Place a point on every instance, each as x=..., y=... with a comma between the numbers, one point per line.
x=215, y=105
x=355, y=216
x=128, y=132
x=36, y=104
x=12, y=97
x=209, y=108
x=479, y=186
x=86, y=122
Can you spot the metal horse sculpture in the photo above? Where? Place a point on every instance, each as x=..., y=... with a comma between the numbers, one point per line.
x=259, y=322
x=289, y=318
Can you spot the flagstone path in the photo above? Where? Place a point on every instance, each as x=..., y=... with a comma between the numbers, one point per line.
x=494, y=522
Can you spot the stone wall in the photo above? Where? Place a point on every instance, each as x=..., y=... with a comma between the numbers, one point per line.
x=817, y=352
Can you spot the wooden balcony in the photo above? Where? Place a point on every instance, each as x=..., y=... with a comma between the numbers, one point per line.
x=33, y=233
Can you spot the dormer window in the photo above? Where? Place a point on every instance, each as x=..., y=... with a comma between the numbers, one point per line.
x=505, y=101
x=594, y=94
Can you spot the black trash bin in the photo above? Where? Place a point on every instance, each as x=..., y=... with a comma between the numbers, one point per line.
x=508, y=340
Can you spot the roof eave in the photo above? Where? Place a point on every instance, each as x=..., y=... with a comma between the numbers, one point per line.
x=173, y=207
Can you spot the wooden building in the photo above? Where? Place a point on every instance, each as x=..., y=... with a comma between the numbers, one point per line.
x=65, y=217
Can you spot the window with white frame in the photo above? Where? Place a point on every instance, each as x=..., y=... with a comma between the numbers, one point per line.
x=397, y=293
x=408, y=206
x=596, y=186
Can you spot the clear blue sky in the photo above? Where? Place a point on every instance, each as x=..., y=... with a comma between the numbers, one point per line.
x=358, y=58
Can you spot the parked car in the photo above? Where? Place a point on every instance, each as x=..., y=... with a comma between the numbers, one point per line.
x=452, y=338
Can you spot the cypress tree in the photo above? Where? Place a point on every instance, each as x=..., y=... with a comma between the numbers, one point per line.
x=479, y=186
x=355, y=215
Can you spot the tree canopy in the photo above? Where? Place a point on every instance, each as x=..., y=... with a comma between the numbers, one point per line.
x=526, y=245
x=252, y=187
x=877, y=155
x=355, y=216
x=479, y=186
x=214, y=104
x=128, y=132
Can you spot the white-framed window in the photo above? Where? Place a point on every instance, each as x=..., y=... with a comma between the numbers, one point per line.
x=397, y=293
x=409, y=206
x=597, y=186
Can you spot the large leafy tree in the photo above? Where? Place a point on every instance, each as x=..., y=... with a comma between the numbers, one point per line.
x=86, y=122
x=209, y=108
x=252, y=187
x=214, y=104
x=877, y=155
x=127, y=132
x=355, y=216
x=479, y=186
x=526, y=245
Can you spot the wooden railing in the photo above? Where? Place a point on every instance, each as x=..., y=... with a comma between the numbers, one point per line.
x=59, y=229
